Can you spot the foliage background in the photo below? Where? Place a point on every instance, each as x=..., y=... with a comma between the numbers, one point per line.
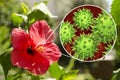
x=107, y=69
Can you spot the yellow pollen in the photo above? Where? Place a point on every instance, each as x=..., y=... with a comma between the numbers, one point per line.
x=40, y=49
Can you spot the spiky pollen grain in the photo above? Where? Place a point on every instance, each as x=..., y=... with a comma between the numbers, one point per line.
x=104, y=28
x=83, y=18
x=84, y=47
x=67, y=32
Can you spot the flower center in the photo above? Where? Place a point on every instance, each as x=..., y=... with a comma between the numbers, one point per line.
x=40, y=49
x=30, y=51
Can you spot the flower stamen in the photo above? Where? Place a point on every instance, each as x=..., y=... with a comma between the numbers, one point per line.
x=40, y=49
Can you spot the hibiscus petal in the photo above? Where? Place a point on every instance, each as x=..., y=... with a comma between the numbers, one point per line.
x=37, y=64
x=52, y=52
x=40, y=32
x=40, y=66
x=21, y=59
x=19, y=39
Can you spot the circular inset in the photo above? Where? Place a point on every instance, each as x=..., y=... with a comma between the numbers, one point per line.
x=88, y=33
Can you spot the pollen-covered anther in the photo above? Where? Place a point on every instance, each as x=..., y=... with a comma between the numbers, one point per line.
x=40, y=49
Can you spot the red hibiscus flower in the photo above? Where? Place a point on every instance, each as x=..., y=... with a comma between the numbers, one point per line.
x=35, y=50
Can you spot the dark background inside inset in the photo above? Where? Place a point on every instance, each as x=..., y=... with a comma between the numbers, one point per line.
x=94, y=10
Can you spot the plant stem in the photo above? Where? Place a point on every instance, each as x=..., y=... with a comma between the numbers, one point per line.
x=70, y=65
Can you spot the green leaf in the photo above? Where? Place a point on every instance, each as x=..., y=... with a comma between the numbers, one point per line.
x=14, y=77
x=25, y=8
x=69, y=76
x=4, y=38
x=7, y=7
x=39, y=12
x=56, y=71
x=117, y=44
x=43, y=8
x=33, y=77
x=70, y=65
x=35, y=15
x=116, y=75
x=115, y=11
x=6, y=62
x=17, y=19
x=1, y=1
